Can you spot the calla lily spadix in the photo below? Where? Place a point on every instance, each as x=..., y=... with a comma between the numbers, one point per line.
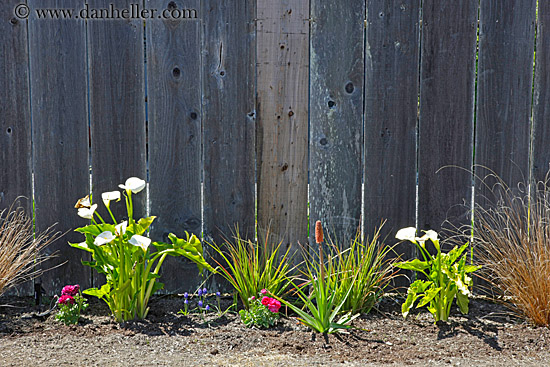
x=104, y=237
x=133, y=184
x=87, y=213
x=140, y=241
x=109, y=196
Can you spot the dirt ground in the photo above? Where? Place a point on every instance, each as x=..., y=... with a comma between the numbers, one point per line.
x=488, y=336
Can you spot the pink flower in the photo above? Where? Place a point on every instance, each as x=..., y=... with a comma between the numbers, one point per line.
x=252, y=298
x=274, y=305
x=265, y=301
x=65, y=299
x=70, y=290
x=263, y=291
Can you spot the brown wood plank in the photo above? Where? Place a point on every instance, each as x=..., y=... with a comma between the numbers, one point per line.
x=174, y=114
x=541, y=98
x=336, y=130
x=282, y=104
x=391, y=103
x=117, y=107
x=505, y=74
x=60, y=136
x=15, y=119
x=447, y=77
x=229, y=118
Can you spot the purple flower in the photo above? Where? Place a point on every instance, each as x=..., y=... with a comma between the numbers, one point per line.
x=218, y=294
x=185, y=295
x=200, y=303
x=200, y=292
x=186, y=301
x=204, y=291
x=207, y=308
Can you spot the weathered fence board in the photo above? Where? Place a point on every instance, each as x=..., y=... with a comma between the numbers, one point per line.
x=282, y=106
x=174, y=114
x=391, y=103
x=541, y=98
x=117, y=110
x=447, y=78
x=505, y=74
x=57, y=51
x=336, y=115
x=229, y=118
x=15, y=122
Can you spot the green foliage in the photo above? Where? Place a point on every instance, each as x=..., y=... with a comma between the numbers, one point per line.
x=445, y=276
x=69, y=313
x=363, y=269
x=122, y=253
x=250, y=267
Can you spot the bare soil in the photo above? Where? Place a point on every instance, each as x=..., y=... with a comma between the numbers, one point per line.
x=488, y=336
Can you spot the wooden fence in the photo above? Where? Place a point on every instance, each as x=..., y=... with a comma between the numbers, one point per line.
x=231, y=115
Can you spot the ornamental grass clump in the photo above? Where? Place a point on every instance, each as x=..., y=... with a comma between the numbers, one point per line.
x=20, y=250
x=250, y=266
x=512, y=241
x=129, y=260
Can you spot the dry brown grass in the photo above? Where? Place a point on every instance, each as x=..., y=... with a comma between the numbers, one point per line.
x=512, y=242
x=20, y=251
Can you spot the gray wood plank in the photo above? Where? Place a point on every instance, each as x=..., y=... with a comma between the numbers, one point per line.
x=117, y=107
x=505, y=74
x=174, y=115
x=60, y=136
x=282, y=110
x=447, y=78
x=391, y=90
x=336, y=115
x=15, y=119
x=229, y=118
x=541, y=98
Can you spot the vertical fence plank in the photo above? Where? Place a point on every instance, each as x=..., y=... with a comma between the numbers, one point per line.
x=15, y=119
x=174, y=113
x=15, y=122
x=117, y=106
x=505, y=74
x=336, y=131
x=447, y=77
x=541, y=98
x=282, y=105
x=391, y=103
x=57, y=50
x=229, y=118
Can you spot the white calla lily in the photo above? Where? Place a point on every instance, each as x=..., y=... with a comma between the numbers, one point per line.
x=87, y=213
x=104, y=237
x=408, y=234
x=133, y=184
x=83, y=202
x=110, y=196
x=140, y=241
x=120, y=229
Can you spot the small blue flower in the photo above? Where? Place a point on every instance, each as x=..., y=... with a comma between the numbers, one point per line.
x=204, y=291
x=200, y=292
x=186, y=301
x=207, y=308
x=218, y=294
x=200, y=303
x=185, y=295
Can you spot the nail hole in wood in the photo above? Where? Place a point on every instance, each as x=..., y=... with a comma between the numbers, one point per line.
x=323, y=141
x=222, y=73
x=349, y=88
x=176, y=72
x=14, y=21
x=172, y=5
x=290, y=113
x=331, y=104
x=8, y=130
x=194, y=115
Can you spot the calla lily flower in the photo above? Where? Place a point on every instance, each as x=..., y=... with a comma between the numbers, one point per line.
x=109, y=196
x=120, y=229
x=140, y=241
x=133, y=184
x=408, y=234
x=83, y=202
x=104, y=237
x=87, y=213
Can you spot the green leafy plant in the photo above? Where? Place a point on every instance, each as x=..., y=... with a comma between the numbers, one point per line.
x=445, y=276
x=70, y=305
x=122, y=252
x=324, y=303
x=365, y=268
x=250, y=267
x=263, y=311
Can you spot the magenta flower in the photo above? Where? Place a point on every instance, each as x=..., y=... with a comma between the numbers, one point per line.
x=65, y=299
x=70, y=290
x=263, y=291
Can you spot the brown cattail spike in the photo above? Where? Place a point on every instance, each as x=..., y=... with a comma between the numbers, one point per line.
x=318, y=232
